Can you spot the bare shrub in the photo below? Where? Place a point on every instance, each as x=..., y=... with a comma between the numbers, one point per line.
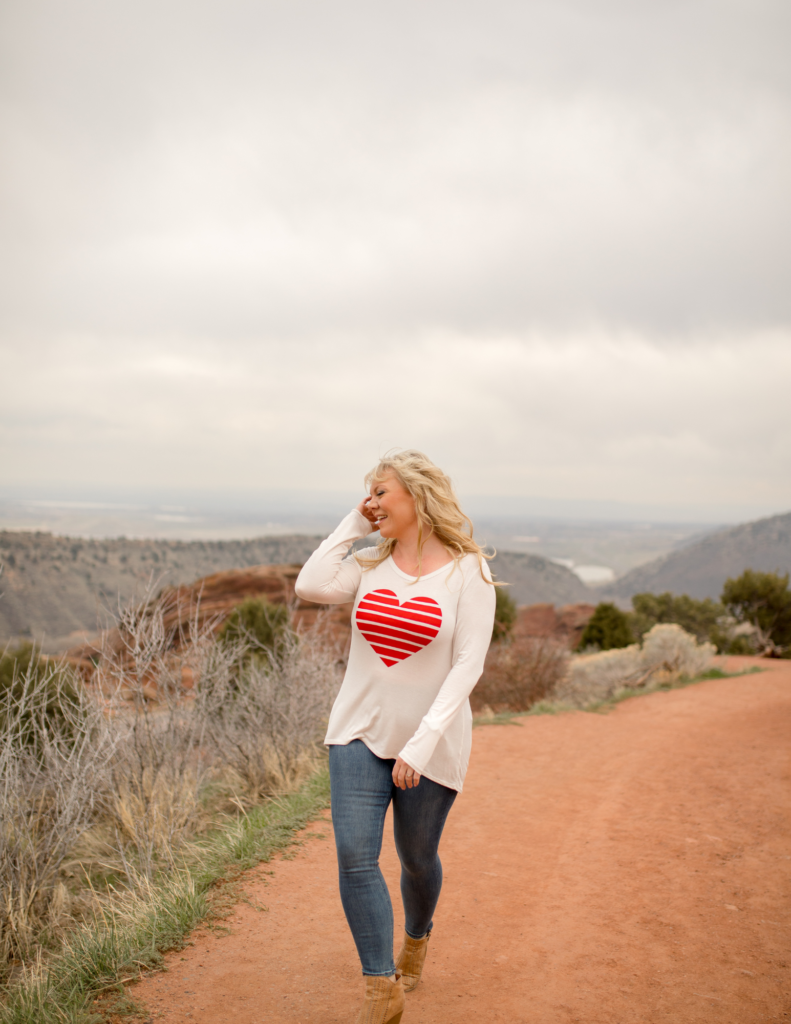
x=147, y=672
x=520, y=673
x=667, y=653
x=190, y=708
x=266, y=721
x=114, y=777
x=55, y=749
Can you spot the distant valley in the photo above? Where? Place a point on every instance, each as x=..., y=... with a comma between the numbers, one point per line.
x=55, y=587
x=701, y=568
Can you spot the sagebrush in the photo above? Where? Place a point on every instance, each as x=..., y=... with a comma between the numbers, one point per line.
x=667, y=652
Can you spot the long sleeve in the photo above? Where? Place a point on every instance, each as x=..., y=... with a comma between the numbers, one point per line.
x=328, y=577
x=471, y=639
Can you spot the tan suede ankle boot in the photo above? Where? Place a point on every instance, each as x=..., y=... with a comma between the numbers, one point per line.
x=411, y=959
x=384, y=1000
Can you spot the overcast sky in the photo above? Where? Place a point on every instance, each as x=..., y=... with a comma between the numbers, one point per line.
x=252, y=245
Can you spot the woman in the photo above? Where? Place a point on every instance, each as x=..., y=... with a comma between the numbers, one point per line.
x=401, y=727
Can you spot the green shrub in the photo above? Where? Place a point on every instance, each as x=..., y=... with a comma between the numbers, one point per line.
x=764, y=600
x=504, y=614
x=732, y=645
x=258, y=620
x=700, y=618
x=607, y=628
x=56, y=703
x=15, y=662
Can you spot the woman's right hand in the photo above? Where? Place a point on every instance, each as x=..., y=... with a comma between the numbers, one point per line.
x=365, y=512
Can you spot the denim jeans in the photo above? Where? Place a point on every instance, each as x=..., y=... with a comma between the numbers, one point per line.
x=362, y=788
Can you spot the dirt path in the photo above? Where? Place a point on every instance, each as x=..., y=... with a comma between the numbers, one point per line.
x=601, y=869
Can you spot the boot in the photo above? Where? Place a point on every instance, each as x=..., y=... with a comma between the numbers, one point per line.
x=411, y=959
x=384, y=1000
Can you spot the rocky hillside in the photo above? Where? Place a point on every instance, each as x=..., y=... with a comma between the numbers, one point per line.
x=536, y=580
x=54, y=587
x=701, y=568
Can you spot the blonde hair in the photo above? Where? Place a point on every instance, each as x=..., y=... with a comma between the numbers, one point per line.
x=436, y=505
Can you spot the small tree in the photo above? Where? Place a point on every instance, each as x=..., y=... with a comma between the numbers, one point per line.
x=504, y=614
x=608, y=627
x=700, y=618
x=764, y=600
x=258, y=622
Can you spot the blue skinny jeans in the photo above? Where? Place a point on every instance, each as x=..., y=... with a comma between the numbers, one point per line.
x=362, y=788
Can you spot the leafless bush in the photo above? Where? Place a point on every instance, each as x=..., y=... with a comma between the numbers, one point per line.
x=147, y=671
x=115, y=776
x=190, y=708
x=55, y=750
x=520, y=673
x=265, y=722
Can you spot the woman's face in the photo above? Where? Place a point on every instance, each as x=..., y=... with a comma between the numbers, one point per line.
x=393, y=508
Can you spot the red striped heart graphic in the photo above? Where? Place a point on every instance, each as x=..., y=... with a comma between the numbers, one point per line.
x=397, y=631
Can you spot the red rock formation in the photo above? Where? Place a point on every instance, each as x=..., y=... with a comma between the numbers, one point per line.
x=210, y=600
x=536, y=620
x=216, y=596
x=566, y=623
x=572, y=620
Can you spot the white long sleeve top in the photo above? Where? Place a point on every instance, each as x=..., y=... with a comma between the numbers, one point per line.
x=417, y=650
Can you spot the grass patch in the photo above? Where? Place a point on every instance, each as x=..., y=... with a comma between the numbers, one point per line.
x=132, y=931
x=549, y=707
x=499, y=718
x=602, y=707
x=717, y=673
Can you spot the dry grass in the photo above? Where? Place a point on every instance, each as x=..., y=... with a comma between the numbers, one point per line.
x=127, y=931
x=54, y=769
x=103, y=793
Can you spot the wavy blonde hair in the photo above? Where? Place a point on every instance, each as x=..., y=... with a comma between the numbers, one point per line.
x=436, y=505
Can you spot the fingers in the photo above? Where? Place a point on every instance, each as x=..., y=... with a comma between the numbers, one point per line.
x=365, y=511
x=404, y=776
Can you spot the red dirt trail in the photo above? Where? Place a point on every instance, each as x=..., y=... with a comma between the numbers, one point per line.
x=599, y=868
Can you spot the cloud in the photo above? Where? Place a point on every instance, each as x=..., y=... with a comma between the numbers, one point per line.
x=566, y=416
x=256, y=242
x=270, y=168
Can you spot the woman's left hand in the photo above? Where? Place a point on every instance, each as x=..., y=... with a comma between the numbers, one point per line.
x=404, y=776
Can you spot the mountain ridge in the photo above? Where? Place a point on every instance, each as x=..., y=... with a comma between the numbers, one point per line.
x=55, y=587
x=700, y=568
